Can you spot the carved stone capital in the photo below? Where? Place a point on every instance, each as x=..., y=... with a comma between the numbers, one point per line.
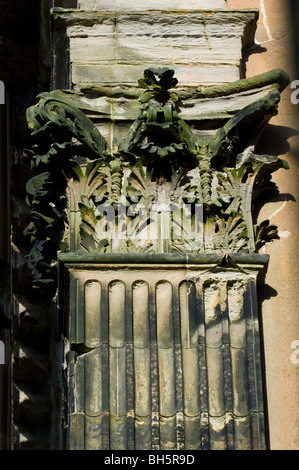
x=160, y=189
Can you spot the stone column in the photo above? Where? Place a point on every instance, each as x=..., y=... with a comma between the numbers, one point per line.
x=165, y=351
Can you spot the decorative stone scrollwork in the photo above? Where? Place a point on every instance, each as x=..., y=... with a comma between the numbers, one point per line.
x=160, y=190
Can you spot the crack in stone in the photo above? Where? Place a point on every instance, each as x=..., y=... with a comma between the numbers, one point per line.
x=265, y=20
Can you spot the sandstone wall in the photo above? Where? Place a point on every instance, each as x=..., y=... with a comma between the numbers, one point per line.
x=275, y=48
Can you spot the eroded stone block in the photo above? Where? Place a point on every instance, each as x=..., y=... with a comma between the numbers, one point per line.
x=185, y=395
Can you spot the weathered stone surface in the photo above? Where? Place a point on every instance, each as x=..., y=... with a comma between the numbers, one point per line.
x=168, y=395
x=193, y=380
x=96, y=383
x=143, y=433
x=142, y=374
x=127, y=74
x=117, y=312
x=117, y=382
x=140, y=311
x=112, y=49
x=26, y=387
x=277, y=36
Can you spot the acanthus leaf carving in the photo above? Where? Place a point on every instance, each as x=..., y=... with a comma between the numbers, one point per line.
x=161, y=189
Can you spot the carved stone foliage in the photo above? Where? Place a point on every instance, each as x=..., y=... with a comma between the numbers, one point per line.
x=161, y=189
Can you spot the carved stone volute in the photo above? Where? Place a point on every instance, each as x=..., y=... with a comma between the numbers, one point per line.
x=160, y=189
